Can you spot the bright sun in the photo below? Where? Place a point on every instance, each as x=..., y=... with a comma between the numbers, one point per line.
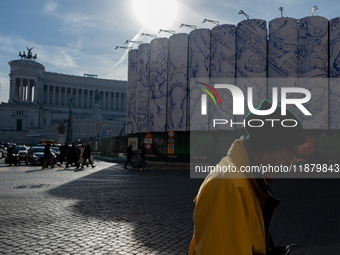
x=156, y=14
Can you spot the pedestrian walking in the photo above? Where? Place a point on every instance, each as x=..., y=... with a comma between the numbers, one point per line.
x=63, y=153
x=233, y=210
x=129, y=156
x=73, y=156
x=47, y=157
x=81, y=155
x=142, y=151
x=87, y=155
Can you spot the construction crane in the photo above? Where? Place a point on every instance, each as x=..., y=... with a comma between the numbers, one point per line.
x=150, y=35
x=244, y=14
x=281, y=11
x=139, y=42
x=167, y=31
x=315, y=8
x=215, y=22
x=189, y=26
x=123, y=47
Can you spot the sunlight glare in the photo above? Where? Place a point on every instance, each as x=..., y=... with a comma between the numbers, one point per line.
x=156, y=14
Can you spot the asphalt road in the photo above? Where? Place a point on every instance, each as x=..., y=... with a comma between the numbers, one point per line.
x=110, y=210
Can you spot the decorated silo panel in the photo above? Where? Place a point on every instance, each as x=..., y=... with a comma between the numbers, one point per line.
x=177, y=104
x=199, y=71
x=313, y=70
x=334, y=69
x=131, y=115
x=143, y=87
x=251, y=61
x=223, y=50
x=158, y=84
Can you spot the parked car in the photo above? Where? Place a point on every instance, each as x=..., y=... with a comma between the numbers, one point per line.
x=3, y=151
x=56, y=151
x=35, y=155
x=22, y=152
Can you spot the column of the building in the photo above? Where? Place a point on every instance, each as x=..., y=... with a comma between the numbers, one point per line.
x=77, y=97
x=13, y=82
x=93, y=98
x=114, y=100
x=82, y=98
x=48, y=95
x=16, y=90
x=88, y=98
x=120, y=100
x=66, y=99
x=104, y=99
x=59, y=95
x=29, y=92
x=42, y=93
x=24, y=91
x=109, y=106
x=37, y=92
x=123, y=100
x=53, y=94
x=21, y=89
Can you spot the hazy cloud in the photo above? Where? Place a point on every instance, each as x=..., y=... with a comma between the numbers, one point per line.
x=50, y=7
x=78, y=23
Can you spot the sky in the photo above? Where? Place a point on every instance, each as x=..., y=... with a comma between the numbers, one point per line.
x=80, y=36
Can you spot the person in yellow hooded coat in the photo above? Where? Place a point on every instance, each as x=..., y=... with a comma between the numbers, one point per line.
x=233, y=210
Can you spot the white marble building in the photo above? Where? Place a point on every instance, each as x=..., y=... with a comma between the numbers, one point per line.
x=39, y=103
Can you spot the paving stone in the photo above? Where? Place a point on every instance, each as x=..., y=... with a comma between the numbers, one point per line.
x=110, y=211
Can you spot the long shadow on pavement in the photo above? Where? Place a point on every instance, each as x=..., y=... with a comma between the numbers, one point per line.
x=157, y=203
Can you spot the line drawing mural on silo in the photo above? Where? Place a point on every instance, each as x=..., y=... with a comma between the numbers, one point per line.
x=143, y=87
x=177, y=83
x=334, y=70
x=313, y=70
x=131, y=126
x=158, y=84
x=199, y=72
x=283, y=47
x=223, y=70
x=251, y=60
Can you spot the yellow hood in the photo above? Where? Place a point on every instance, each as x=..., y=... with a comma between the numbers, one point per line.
x=228, y=214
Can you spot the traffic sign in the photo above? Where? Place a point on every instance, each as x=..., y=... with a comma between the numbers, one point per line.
x=148, y=135
x=148, y=146
x=171, y=149
x=148, y=138
x=171, y=133
x=171, y=140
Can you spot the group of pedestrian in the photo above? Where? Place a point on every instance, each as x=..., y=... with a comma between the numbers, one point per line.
x=72, y=155
x=141, y=156
x=12, y=150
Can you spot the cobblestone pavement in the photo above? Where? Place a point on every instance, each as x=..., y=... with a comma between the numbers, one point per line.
x=110, y=210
